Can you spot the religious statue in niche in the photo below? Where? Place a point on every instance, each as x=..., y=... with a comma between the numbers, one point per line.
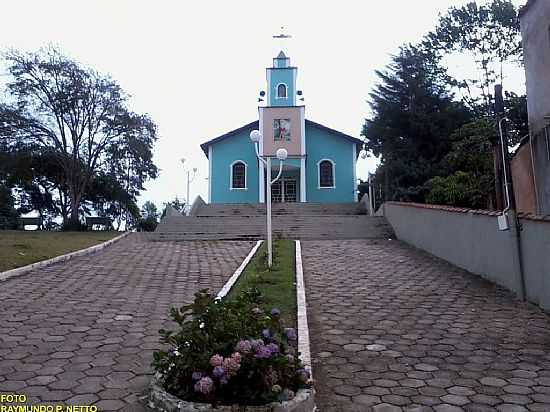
x=281, y=130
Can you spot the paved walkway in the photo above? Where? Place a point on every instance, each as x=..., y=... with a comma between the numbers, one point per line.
x=84, y=331
x=395, y=329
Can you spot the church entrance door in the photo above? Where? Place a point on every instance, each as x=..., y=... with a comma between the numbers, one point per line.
x=284, y=190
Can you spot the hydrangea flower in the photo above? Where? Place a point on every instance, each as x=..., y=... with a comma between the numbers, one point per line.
x=290, y=333
x=224, y=380
x=243, y=346
x=266, y=334
x=256, y=343
x=196, y=376
x=275, y=312
x=204, y=385
x=216, y=360
x=218, y=371
x=273, y=348
x=232, y=364
x=263, y=352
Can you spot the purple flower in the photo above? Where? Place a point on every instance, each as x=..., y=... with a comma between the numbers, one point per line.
x=218, y=371
x=224, y=380
x=216, y=360
x=275, y=312
x=244, y=346
x=265, y=333
x=290, y=333
x=204, y=386
x=196, y=376
x=273, y=348
x=256, y=343
x=263, y=352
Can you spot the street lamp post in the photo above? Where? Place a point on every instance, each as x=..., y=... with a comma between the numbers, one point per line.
x=281, y=154
x=189, y=180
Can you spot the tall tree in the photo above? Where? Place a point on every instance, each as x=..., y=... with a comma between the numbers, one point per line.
x=490, y=34
x=413, y=117
x=76, y=113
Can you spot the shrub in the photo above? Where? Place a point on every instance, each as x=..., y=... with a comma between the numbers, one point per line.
x=230, y=352
x=148, y=224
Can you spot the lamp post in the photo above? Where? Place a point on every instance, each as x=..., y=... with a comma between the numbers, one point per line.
x=189, y=180
x=281, y=154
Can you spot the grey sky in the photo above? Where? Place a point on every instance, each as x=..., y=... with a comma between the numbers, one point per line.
x=197, y=66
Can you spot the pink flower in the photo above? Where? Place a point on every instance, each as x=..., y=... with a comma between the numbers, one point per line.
x=232, y=364
x=216, y=360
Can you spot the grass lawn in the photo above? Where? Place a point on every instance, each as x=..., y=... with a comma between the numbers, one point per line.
x=20, y=248
x=276, y=285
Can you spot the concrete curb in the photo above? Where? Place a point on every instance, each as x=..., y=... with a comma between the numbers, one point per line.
x=48, y=262
x=235, y=276
x=303, y=329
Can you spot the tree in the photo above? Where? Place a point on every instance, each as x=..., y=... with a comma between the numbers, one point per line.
x=490, y=33
x=149, y=217
x=413, y=117
x=469, y=181
x=77, y=114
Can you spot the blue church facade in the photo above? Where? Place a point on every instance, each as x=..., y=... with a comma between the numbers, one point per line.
x=321, y=162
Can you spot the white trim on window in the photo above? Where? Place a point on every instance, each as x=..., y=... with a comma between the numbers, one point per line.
x=319, y=174
x=231, y=175
x=277, y=91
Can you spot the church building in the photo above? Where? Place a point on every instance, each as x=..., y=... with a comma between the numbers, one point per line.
x=321, y=162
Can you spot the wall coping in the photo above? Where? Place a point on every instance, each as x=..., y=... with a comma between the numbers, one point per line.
x=453, y=209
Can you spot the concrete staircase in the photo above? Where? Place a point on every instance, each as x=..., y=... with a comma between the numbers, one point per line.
x=290, y=220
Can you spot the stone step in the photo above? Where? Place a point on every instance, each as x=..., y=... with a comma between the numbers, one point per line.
x=286, y=226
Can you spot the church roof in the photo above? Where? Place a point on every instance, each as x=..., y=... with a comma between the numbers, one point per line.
x=525, y=8
x=281, y=55
x=256, y=124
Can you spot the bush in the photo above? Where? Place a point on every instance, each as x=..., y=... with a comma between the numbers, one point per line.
x=149, y=224
x=230, y=352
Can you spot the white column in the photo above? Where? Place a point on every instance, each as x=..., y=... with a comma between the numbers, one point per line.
x=269, y=240
x=303, y=180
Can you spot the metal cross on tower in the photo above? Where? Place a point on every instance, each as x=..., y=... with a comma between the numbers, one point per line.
x=282, y=37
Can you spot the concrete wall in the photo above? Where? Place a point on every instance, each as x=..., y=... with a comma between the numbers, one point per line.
x=471, y=240
x=535, y=23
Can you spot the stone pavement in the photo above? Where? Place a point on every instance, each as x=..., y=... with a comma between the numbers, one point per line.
x=84, y=331
x=393, y=329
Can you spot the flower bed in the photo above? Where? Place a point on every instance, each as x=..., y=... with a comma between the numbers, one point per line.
x=230, y=352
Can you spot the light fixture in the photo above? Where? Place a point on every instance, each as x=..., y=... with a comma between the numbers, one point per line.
x=255, y=136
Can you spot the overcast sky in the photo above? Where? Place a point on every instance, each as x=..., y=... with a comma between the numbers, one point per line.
x=197, y=66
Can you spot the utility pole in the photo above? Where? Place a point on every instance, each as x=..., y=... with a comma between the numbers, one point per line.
x=509, y=219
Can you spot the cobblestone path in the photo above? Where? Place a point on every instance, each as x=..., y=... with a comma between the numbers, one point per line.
x=395, y=329
x=83, y=332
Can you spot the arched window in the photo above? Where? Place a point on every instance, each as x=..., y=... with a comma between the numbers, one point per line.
x=281, y=91
x=326, y=174
x=238, y=175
